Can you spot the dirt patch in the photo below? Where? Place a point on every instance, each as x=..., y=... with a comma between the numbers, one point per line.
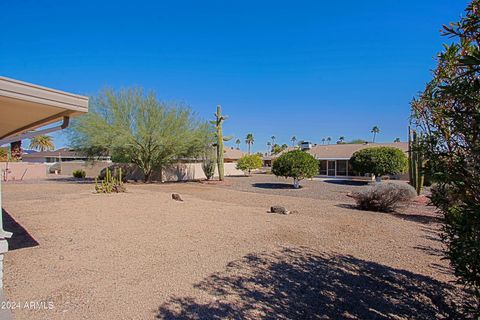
x=127, y=255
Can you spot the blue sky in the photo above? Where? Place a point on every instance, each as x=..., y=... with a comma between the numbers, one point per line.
x=306, y=68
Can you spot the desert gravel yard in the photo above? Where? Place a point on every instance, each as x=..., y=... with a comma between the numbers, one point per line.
x=219, y=254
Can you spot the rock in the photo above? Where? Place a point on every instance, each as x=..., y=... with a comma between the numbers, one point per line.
x=176, y=196
x=279, y=209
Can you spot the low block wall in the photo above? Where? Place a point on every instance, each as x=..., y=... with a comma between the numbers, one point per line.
x=91, y=168
x=194, y=171
x=12, y=171
x=176, y=172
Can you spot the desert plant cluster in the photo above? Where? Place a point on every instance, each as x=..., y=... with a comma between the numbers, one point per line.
x=111, y=183
x=384, y=196
x=447, y=113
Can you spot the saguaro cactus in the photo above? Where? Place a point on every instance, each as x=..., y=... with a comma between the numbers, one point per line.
x=218, y=122
x=415, y=161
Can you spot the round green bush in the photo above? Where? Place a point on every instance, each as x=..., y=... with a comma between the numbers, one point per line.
x=249, y=162
x=295, y=164
x=80, y=174
x=379, y=161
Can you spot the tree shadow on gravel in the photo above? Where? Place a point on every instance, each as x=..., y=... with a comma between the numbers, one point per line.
x=358, y=183
x=274, y=185
x=299, y=283
x=420, y=218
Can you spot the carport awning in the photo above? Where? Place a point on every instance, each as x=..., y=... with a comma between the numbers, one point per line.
x=25, y=106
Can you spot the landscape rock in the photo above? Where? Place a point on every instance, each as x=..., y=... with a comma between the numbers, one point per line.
x=279, y=209
x=177, y=197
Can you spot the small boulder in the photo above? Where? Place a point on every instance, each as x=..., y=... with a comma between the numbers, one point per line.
x=279, y=209
x=177, y=197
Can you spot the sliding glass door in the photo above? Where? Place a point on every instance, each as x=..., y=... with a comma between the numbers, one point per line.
x=331, y=165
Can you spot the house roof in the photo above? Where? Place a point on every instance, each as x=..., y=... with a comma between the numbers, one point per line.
x=232, y=153
x=274, y=156
x=25, y=106
x=63, y=152
x=345, y=151
x=341, y=151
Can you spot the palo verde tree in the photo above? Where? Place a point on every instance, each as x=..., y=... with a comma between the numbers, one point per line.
x=447, y=114
x=295, y=164
x=134, y=127
x=379, y=161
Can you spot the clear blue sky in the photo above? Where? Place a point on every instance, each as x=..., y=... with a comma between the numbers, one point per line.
x=306, y=68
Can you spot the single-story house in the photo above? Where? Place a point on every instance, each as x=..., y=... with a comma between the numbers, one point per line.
x=60, y=155
x=334, y=159
x=230, y=154
x=268, y=158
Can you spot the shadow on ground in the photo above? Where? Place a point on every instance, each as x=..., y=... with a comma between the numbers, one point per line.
x=299, y=283
x=419, y=218
x=346, y=182
x=20, y=238
x=274, y=185
x=72, y=180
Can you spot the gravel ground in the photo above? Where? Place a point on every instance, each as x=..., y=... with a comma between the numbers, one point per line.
x=219, y=254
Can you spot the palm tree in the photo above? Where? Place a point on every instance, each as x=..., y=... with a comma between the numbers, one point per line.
x=42, y=143
x=328, y=140
x=293, y=139
x=323, y=140
x=249, y=141
x=237, y=142
x=273, y=140
x=269, y=147
x=341, y=139
x=375, y=130
x=396, y=140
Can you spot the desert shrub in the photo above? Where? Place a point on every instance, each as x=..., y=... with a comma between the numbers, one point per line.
x=208, y=167
x=79, y=173
x=384, y=196
x=296, y=164
x=379, y=161
x=249, y=162
x=447, y=112
x=110, y=184
x=209, y=162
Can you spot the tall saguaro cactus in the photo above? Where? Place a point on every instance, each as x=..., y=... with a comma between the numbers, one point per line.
x=218, y=122
x=415, y=161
